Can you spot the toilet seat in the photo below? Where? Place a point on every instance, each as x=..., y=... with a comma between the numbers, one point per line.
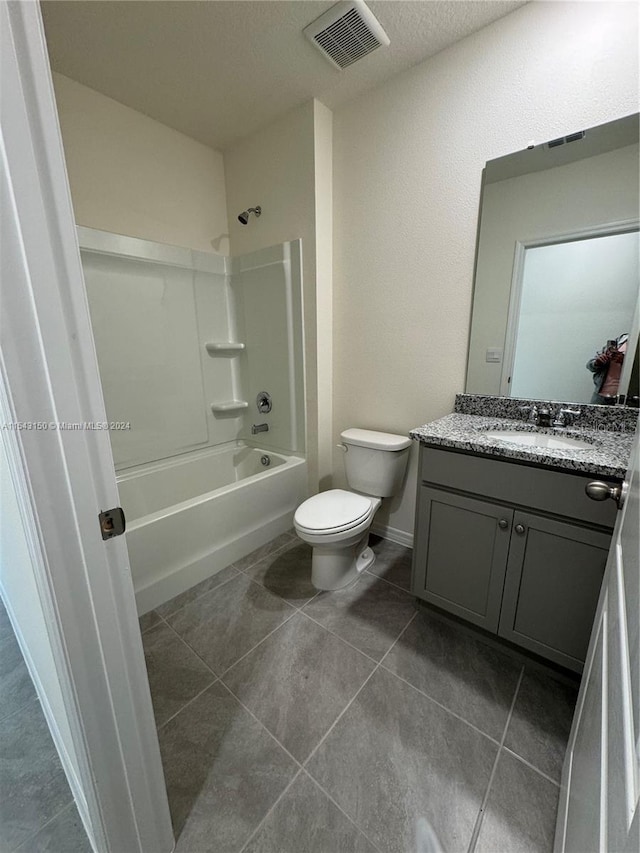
x=335, y=511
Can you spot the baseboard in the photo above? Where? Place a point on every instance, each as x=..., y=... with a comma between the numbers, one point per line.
x=393, y=534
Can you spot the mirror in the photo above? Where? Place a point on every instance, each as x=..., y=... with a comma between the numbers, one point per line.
x=555, y=305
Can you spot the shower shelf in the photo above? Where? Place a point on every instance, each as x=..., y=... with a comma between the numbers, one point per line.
x=223, y=347
x=229, y=406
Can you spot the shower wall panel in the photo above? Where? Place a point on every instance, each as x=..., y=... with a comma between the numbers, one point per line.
x=268, y=298
x=153, y=310
x=145, y=329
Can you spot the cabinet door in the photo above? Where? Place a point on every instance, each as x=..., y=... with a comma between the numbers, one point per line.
x=461, y=554
x=554, y=575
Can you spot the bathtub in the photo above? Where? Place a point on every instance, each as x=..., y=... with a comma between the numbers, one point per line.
x=190, y=516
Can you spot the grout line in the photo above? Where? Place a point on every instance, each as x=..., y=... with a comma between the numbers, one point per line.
x=354, y=697
x=513, y=705
x=186, y=705
x=294, y=610
x=440, y=705
x=259, y=643
x=264, y=819
x=260, y=583
x=531, y=766
x=391, y=583
x=262, y=725
x=149, y=627
x=382, y=659
x=313, y=598
x=192, y=650
x=339, y=717
x=340, y=809
x=274, y=594
x=44, y=826
x=287, y=545
x=338, y=637
x=198, y=597
x=478, y=824
x=430, y=698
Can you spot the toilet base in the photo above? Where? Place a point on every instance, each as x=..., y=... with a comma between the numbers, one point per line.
x=337, y=566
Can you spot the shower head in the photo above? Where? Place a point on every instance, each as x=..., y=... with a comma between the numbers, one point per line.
x=244, y=216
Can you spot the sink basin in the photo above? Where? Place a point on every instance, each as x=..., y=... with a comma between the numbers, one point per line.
x=536, y=439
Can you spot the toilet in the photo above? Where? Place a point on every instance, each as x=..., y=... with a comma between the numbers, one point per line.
x=336, y=523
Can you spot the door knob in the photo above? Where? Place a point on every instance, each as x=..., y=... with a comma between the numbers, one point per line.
x=599, y=491
x=503, y=523
x=519, y=528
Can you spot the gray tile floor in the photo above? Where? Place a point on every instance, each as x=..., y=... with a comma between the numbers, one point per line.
x=37, y=812
x=292, y=721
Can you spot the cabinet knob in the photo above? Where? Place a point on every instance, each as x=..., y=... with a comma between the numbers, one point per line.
x=519, y=528
x=503, y=523
x=599, y=491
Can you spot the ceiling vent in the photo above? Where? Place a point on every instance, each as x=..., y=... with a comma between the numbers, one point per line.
x=574, y=137
x=346, y=33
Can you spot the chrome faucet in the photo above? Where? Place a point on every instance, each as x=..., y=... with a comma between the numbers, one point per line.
x=565, y=417
x=538, y=416
x=533, y=413
x=256, y=428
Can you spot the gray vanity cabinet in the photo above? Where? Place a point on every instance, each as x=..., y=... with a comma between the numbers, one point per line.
x=554, y=574
x=462, y=548
x=519, y=551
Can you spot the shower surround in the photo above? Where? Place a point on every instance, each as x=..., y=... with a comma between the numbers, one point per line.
x=186, y=341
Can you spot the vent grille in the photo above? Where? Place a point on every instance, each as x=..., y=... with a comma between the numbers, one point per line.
x=573, y=137
x=346, y=33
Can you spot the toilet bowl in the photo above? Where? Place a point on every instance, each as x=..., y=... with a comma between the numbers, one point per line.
x=336, y=523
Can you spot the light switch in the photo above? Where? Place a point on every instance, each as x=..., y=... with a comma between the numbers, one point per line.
x=494, y=354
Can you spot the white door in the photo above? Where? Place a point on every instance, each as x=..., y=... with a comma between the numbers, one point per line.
x=599, y=810
x=101, y=717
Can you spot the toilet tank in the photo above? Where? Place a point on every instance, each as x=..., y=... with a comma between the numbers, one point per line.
x=375, y=462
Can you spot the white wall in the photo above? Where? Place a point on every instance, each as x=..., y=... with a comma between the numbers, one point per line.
x=567, y=199
x=132, y=175
x=575, y=297
x=276, y=168
x=408, y=159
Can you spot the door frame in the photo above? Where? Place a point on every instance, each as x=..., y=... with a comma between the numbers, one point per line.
x=64, y=477
x=598, y=654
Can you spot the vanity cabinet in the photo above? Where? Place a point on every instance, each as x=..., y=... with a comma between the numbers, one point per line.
x=460, y=554
x=552, y=584
x=517, y=550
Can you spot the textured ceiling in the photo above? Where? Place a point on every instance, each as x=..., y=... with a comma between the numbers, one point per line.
x=218, y=70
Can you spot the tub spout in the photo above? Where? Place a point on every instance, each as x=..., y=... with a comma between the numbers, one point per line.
x=259, y=428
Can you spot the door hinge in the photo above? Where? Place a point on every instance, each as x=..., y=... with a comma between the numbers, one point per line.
x=112, y=522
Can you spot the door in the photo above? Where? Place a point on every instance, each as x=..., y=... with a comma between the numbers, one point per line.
x=598, y=810
x=461, y=554
x=62, y=478
x=554, y=576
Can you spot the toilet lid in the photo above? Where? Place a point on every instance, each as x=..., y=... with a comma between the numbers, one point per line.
x=333, y=509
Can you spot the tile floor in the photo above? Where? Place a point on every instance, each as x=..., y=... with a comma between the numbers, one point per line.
x=292, y=721
x=37, y=812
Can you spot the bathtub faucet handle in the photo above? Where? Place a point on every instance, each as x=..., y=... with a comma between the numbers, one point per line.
x=263, y=402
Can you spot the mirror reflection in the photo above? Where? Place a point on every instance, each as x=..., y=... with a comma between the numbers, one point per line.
x=555, y=311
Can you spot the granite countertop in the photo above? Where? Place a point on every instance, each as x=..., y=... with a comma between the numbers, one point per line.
x=608, y=456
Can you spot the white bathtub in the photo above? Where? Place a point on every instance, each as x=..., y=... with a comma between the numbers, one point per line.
x=190, y=516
